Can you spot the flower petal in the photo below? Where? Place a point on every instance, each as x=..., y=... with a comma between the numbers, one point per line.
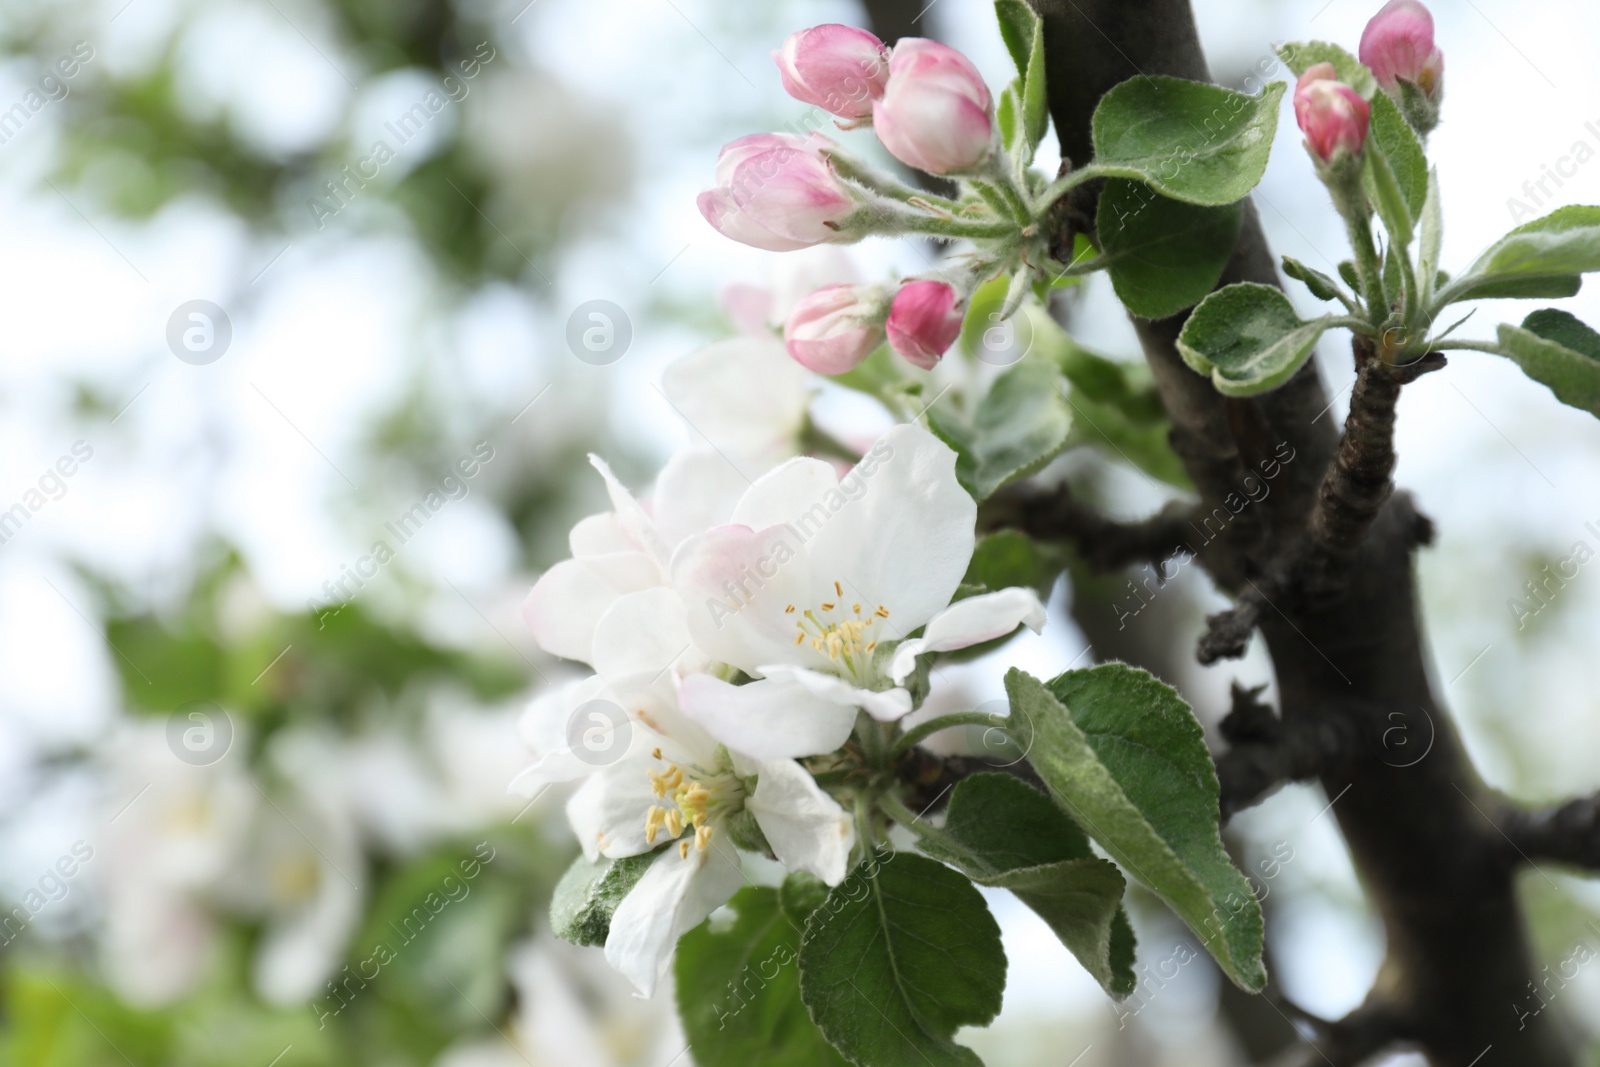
x=970, y=622
x=642, y=632
x=745, y=396
x=767, y=719
x=903, y=534
x=807, y=829
x=782, y=495
x=673, y=897
x=608, y=811
x=631, y=516
x=885, y=706
x=695, y=491
x=568, y=599
x=736, y=584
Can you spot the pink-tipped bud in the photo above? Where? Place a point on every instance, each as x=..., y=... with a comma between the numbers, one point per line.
x=835, y=328
x=1332, y=115
x=776, y=191
x=924, y=321
x=934, y=113
x=838, y=68
x=1398, y=46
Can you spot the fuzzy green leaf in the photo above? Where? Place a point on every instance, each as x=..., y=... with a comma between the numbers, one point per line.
x=1248, y=338
x=1558, y=351
x=1542, y=258
x=1322, y=287
x=1018, y=427
x=1125, y=757
x=1187, y=140
x=588, y=894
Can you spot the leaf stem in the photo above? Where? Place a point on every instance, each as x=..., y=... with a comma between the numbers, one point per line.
x=908, y=740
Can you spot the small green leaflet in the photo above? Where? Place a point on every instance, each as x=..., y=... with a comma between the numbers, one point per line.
x=1542, y=258
x=581, y=907
x=1018, y=427
x=1124, y=756
x=1163, y=255
x=739, y=989
x=1555, y=349
x=1248, y=338
x=901, y=955
x=1000, y=831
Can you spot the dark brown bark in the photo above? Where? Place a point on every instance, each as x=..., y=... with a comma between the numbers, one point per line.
x=1350, y=660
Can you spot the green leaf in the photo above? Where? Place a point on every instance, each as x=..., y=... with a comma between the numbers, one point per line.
x=587, y=895
x=739, y=989
x=1322, y=287
x=1124, y=755
x=1018, y=24
x=1188, y=140
x=1558, y=351
x=1388, y=129
x=1142, y=444
x=1006, y=115
x=1018, y=427
x=1383, y=189
x=1000, y=831
x=801, y=894
x=1035, y=102
x=1248, y=338
x=902, y=955
x=1432, y=223
x=1009, y=558
x=1300, y=55
x=1347, y=271
x=1164, y=255
x=1542, y=258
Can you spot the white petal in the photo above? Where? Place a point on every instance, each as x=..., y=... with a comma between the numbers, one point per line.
x=745, y=396
x=600, y=535
x=807, y=829
x=569, y=598
x=641, y=632
x=786, y=493
x=674, y=896
x=695, y=491
x=736, y=584
x=903, y=535
x=543, y=728
x=767, y=719
x=608, y=811
x=886, y=705
x=970, y=622
x=635, y=522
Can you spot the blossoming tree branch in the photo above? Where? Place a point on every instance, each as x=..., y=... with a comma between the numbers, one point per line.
x=764, y=622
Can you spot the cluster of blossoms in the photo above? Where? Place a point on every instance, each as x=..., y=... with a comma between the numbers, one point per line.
x=932, y=111
x=739, y=643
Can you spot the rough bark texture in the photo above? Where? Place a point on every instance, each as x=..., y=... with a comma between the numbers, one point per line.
x=1350, y=661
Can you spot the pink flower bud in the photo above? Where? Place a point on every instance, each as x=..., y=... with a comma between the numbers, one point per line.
x=835, y=328
x=1332, y=115
x=934, y=113
x=775, y=191
x=838, y=68
x=1398, y=44
x=924, y=321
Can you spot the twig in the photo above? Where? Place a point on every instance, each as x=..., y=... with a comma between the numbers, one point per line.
x=1105, y=544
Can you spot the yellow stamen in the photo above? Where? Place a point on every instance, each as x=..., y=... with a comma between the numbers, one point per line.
x=838, y=589
x=683, y=850
x=702, y=837
x=674, y=822
x=827, y=607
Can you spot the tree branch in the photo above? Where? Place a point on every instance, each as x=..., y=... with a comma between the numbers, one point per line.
x=1435, y=870
x=1266, y=752
x=1105, y=544
x=1567, y=834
